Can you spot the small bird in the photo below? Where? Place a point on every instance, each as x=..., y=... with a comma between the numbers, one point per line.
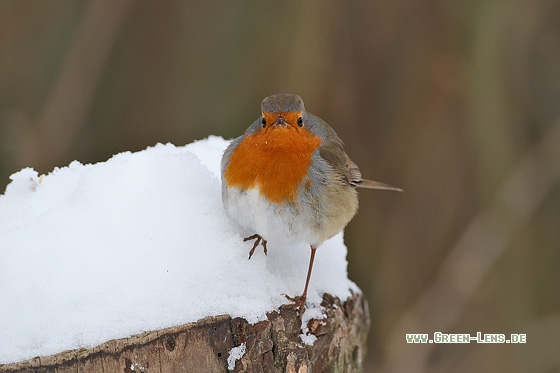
x=288, y=179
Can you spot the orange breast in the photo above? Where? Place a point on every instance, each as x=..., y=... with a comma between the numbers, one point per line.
x=274, y=159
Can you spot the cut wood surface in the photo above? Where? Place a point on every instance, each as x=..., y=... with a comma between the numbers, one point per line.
x=272, y=345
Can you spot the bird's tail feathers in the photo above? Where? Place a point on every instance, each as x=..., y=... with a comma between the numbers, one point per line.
x=370, y=184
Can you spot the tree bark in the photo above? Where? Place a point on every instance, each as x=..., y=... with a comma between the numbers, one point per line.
x=272, y=345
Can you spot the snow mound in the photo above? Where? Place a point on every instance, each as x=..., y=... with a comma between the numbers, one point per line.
x=95, y=252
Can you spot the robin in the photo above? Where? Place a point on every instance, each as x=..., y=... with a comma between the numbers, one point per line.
x=288, y=179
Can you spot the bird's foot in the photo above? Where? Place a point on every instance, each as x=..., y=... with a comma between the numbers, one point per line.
x=299, y=302
x=258, y=240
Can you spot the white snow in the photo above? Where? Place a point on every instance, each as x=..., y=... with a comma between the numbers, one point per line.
x=90, y=253
x=235, y=354
x=314, y=313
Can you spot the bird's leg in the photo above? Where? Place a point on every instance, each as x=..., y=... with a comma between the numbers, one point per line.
x=258, y=239
x=300, y=301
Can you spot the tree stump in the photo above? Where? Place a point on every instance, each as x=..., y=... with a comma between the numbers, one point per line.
x=272, y=345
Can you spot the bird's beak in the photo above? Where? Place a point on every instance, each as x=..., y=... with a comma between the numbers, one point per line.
x=280, y=121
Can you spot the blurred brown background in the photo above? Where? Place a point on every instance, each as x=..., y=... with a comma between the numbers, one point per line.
x=458, y=102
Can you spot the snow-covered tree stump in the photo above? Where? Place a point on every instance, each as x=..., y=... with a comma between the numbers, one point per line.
x=95, y=253
x=219, y=344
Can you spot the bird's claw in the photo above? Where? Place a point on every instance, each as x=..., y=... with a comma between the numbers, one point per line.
x=258, y=240
x=299, y=302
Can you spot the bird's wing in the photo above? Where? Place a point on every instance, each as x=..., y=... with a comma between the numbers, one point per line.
x=332, y=151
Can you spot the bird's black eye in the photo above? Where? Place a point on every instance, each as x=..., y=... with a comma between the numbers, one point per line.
x=300, y=121
x=263, y=122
